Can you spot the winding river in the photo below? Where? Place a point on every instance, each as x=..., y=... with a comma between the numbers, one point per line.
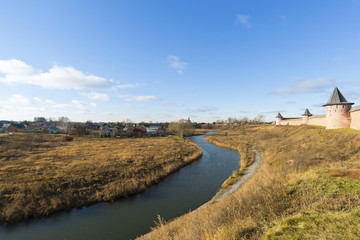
x=184, y=190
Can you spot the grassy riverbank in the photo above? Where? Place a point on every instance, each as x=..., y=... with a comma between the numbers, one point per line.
x=308, y=187
x=41, y=173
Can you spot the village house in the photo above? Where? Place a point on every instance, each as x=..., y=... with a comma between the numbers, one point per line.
x=108, y=132
x=338, y=114
x=152, y=129
x=15, y=127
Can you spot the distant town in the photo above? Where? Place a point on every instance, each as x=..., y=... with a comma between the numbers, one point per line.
x=123, y=129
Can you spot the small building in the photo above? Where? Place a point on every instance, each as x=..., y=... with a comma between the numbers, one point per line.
x=15, y=127
x=152, y=129
x=108, y=132
x=54, y=130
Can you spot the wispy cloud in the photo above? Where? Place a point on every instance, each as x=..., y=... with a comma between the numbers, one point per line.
x=76, y=105
x=202, y=109
x=144, y=98
x=58, y=77
x=175, y=63
x=243, y=20
x=130, y=98
x=18, y=99
x=274, y=112
x=309, y=86
x=96, y=96
x=283, y=20
x=22, y=107
x=126, y=86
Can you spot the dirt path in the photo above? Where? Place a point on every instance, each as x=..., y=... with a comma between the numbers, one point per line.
x=250, y=171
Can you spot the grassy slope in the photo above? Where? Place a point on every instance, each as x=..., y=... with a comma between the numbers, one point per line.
x=40, y=174
x=308, y=187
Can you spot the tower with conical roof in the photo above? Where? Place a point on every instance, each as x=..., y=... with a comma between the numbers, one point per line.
x=306, y=116
x=278, y=119
x=337, y=111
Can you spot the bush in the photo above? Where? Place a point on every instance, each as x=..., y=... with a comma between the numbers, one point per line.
x=68, y=138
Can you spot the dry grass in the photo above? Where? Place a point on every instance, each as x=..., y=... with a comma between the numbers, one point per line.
x=307, y=171
x=40, y=174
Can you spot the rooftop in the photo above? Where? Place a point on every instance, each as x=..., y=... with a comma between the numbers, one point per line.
x=307, y=113
x=337, y=98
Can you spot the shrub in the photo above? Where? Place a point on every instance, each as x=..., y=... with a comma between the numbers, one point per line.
x=68, y=138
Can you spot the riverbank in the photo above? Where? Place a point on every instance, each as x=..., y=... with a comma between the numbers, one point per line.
x=308, y=180
x=41, y=174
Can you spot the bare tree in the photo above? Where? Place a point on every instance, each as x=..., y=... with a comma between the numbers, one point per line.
x=259, y=119
x=63, y=122
x=182, y=127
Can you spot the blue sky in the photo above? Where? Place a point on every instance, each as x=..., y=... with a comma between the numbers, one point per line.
x=167, y=60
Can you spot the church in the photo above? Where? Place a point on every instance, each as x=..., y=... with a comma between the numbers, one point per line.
x=339, y=113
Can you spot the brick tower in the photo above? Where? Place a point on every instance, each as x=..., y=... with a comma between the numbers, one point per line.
x=306, y=116
x=278, y=119
x=337, y=111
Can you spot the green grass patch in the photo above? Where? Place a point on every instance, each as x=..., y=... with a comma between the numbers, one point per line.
x=330, y=186
x=317, y=225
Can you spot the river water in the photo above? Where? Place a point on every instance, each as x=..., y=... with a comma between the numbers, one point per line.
x=127, y=218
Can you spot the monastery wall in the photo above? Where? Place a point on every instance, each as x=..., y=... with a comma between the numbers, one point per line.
x=319, y=120
x=339, y=114
x=355, y=119
x=292, y=121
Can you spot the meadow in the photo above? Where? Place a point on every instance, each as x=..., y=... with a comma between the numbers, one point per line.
x=42, y=173
x=308, y=187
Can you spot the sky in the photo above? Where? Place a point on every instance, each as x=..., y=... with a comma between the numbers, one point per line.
x=167, y=60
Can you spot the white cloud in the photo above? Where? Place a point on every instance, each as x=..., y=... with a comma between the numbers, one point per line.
x=129, y=98
x=58, y=77
x=18, y=99
x=19, y=107
x=309, y=86
x=176, y=64
x=96, y=96
x=244, y=20
x=15, y=67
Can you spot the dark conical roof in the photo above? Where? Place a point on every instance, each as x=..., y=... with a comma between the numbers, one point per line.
x=279, y=116
x=307, y=113
x=337, y=98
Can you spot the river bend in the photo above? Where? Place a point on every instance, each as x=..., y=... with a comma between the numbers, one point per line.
x=127, y=218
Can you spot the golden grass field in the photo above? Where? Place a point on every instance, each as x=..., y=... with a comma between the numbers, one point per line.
x=308, y=187
x=42, y=173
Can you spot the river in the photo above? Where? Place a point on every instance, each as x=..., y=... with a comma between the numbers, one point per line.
x=127, y=218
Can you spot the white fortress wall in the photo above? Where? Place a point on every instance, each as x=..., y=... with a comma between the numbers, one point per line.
x=355, y=119
x=319, y=120
x=292, y=121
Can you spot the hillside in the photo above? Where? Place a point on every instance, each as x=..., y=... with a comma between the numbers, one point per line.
x=308, y=187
